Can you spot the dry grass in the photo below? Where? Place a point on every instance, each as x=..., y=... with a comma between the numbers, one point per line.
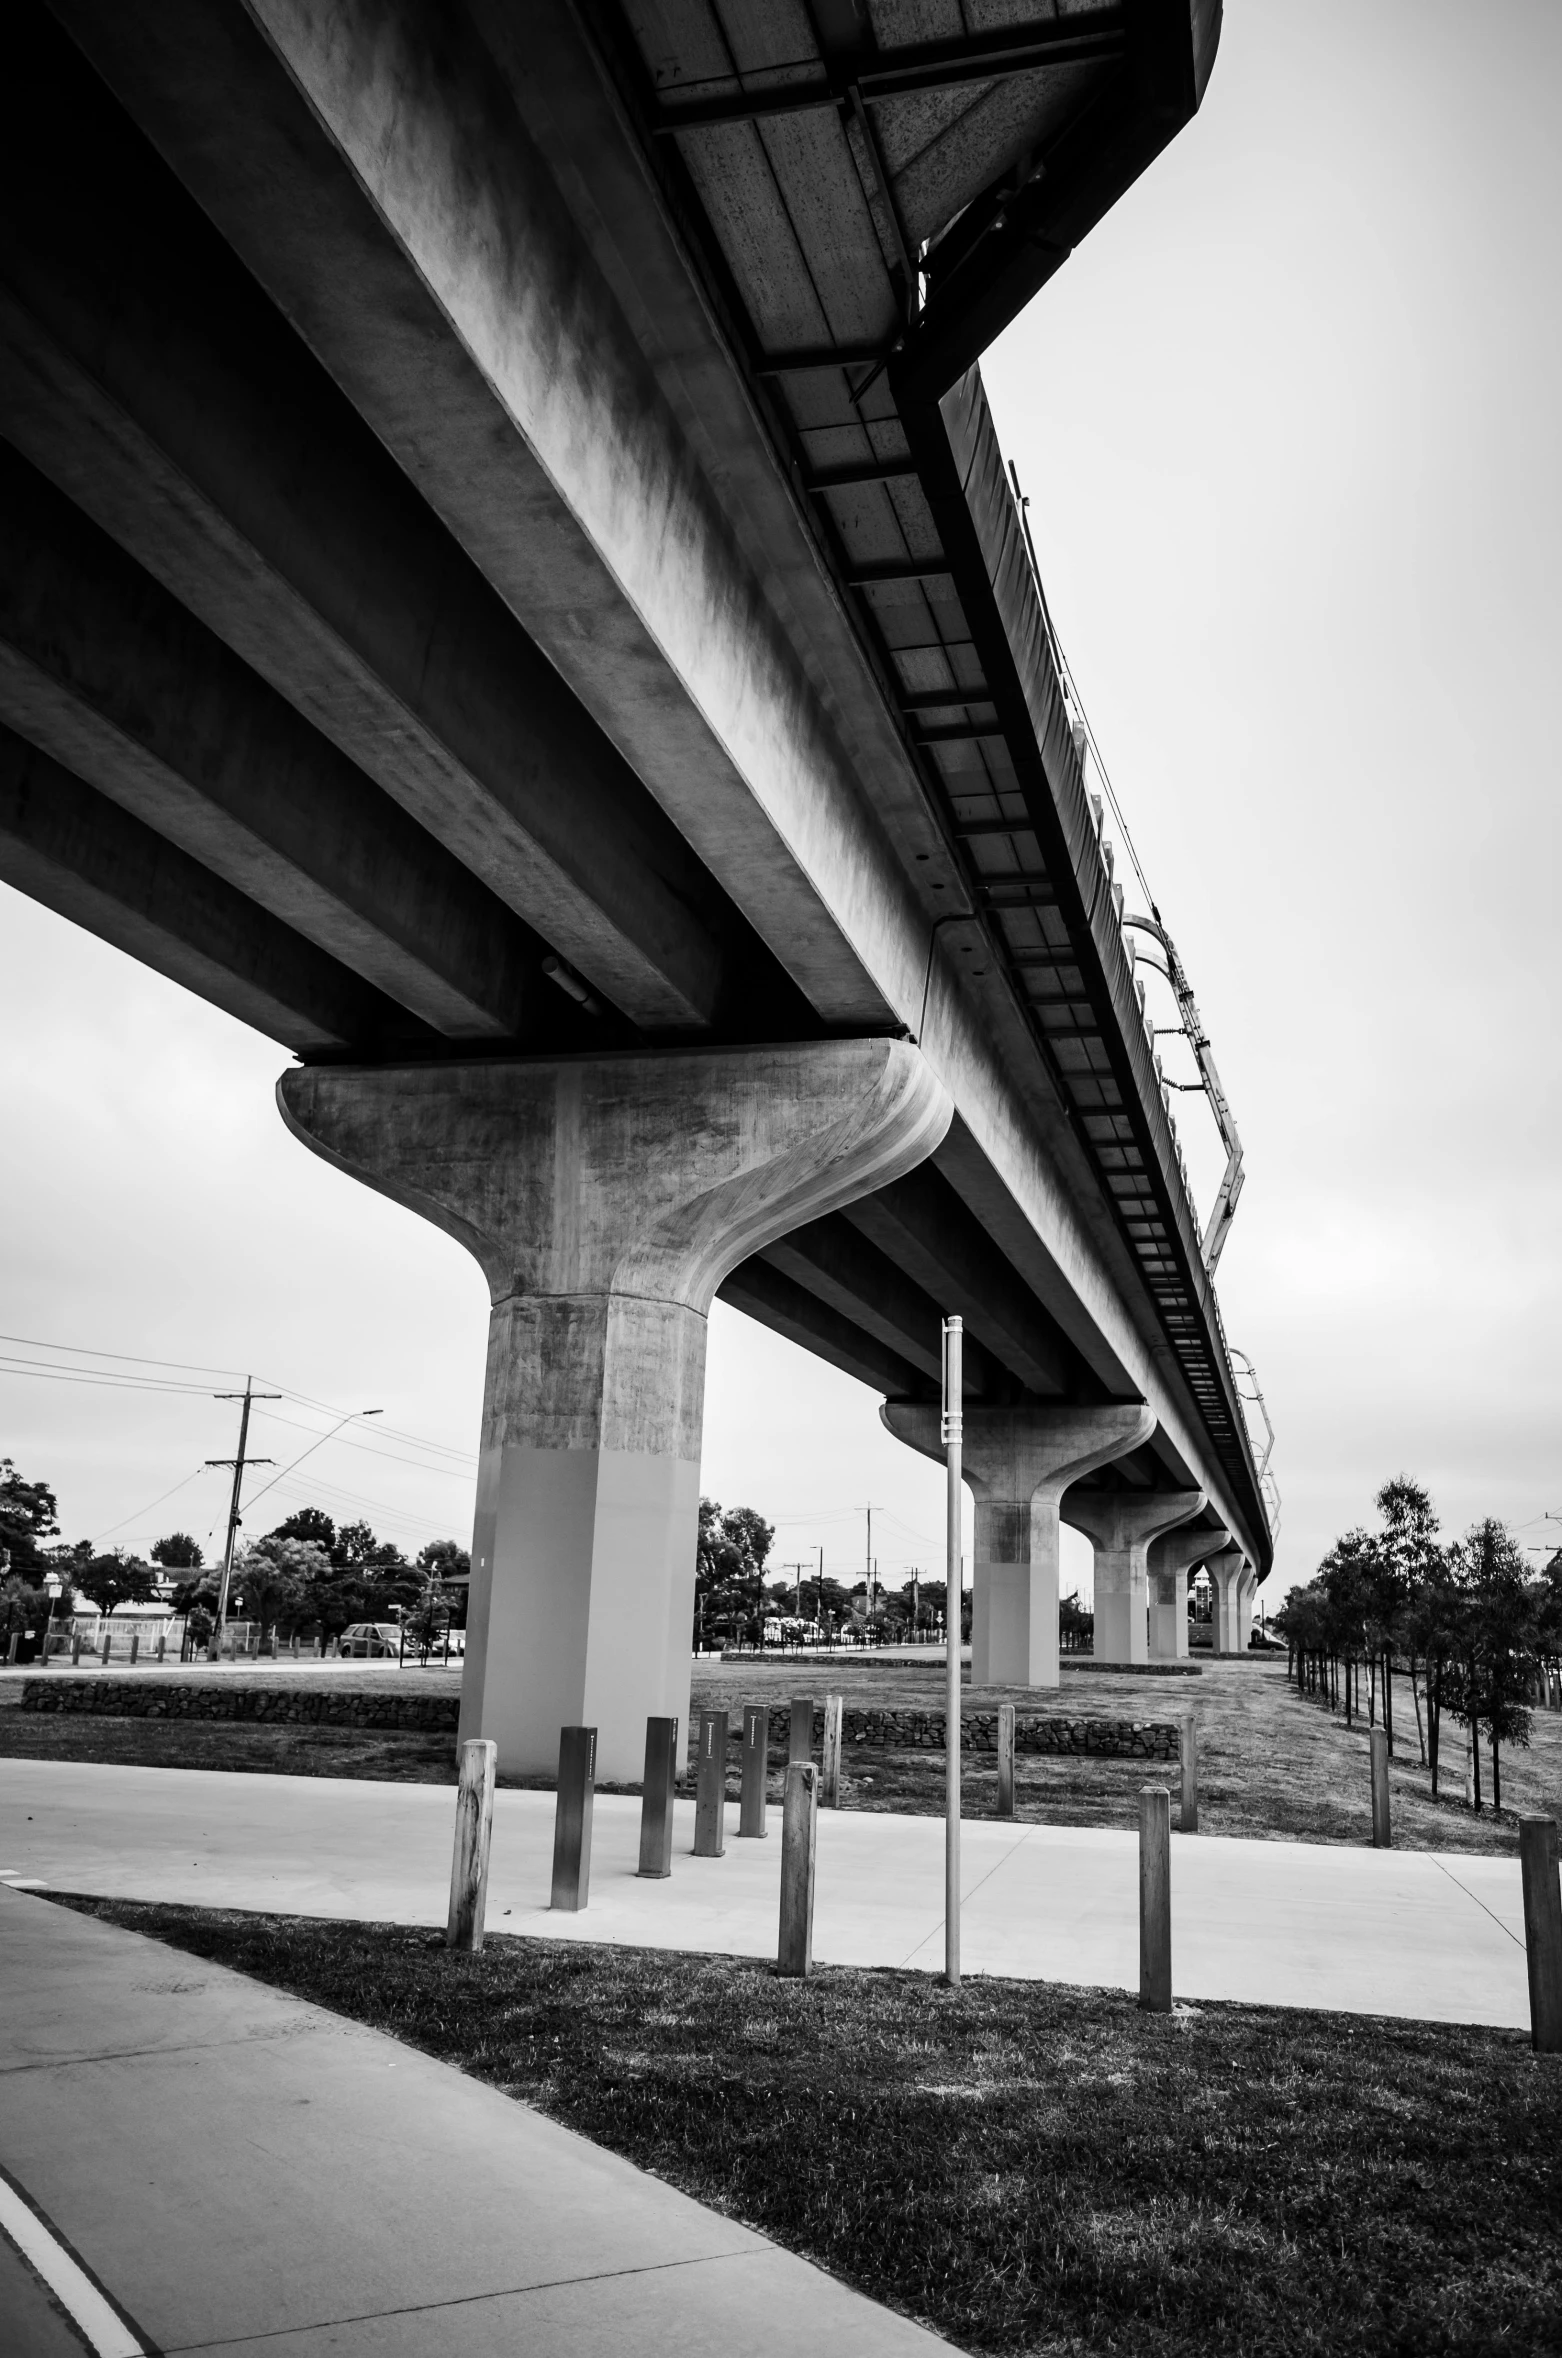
x=1272, y=1766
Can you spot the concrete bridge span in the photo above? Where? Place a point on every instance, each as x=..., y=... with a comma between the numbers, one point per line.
x=510, y=586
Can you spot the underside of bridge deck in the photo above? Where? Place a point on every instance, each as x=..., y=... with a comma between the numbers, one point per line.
x=506, y=555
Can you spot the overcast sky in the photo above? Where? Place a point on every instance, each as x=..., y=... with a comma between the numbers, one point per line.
x=1289, y=423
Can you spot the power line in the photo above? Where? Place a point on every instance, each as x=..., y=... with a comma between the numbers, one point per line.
x=130, y=1358
x=394, y=1456
x=190, y=1367
x=147, y=1509
x=42, y=1373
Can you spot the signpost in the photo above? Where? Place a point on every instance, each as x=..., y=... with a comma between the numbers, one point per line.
x=950, y=1433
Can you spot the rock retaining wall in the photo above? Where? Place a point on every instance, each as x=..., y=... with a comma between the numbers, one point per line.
x=307, y=1704
x=310, y=1703
x=923, y=1731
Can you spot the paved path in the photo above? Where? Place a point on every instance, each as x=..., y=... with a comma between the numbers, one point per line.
x=239, y=2171
x=1431, y=1936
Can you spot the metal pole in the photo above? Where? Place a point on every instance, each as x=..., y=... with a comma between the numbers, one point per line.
x=950, y=1434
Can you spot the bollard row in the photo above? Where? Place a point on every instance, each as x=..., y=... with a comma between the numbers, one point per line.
x=571, y=1886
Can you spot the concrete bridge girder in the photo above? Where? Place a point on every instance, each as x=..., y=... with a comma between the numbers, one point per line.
x=1018, y=1463
x=1121, y=1525
x=1172, y=1557
x=379, y=148
x=605, y=1199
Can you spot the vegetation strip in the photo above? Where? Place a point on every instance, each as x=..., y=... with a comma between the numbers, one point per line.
x=1026, y=2168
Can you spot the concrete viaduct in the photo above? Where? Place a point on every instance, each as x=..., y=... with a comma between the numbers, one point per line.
x=509, y=586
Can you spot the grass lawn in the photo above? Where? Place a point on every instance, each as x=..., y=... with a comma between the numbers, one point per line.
x=1272, y=1765
x=1028, y=2169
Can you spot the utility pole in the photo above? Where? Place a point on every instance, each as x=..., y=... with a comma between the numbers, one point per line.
x=238, y=1464
x=867, y=1597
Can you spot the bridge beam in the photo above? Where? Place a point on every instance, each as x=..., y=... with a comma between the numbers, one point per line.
x=1172, y=1557
x=106, y=672
x=605, y=1200
x=1121, y=1524
x=1019, y=1461
x=144, y=372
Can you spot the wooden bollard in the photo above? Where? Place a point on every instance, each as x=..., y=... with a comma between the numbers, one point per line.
x=14, y=1648
x=1155, y=1963
x=799, y=1838
x=830, y=1782
x=135, y=1646
x=1382, y=1836
x=1542, y=1931
x=800, y=1734
x=108, y=1648
x=1006, y=1760
x=1188, y=1758
x=162, y=1645
x=474, y=1830
x=756, y=1761
x=75, y=1647
x=656, y=1807
x=295, y=1645
x=710, y=1787
x=572, y=1819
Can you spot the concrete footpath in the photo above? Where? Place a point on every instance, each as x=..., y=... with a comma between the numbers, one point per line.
x=239, y=2171
x=1429, y=1936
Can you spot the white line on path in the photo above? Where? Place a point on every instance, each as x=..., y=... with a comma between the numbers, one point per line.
x=88, y=2308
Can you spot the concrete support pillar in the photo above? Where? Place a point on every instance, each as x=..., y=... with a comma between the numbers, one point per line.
x=1172, y=1557
x=1018, y=1462
x=1247, y=1590
x=606, y=1198
x=1224, y=1571
x=1121, y=1524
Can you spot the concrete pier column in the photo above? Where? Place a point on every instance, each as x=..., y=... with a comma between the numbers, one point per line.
x=1121, y=1524
x=1018, y=1462
x=1247, y=1590
x=606, y=1198
x=1172, y=1557
x=1224, y=1571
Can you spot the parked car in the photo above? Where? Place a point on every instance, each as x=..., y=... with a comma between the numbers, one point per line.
x=371, y=1640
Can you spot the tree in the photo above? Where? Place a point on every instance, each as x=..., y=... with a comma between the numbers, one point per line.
x=272, y=1580
x=1075, y=1625
x=1435, y=1628
x=425, y=1623
x=113, y=1580
x=22, y=1606
x=1412, y=1556
x=29, y=1514
x=1491, y=1681
x=177, y=1553
x=309, y=1523
x=729, y=1567
x=443, y=1560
